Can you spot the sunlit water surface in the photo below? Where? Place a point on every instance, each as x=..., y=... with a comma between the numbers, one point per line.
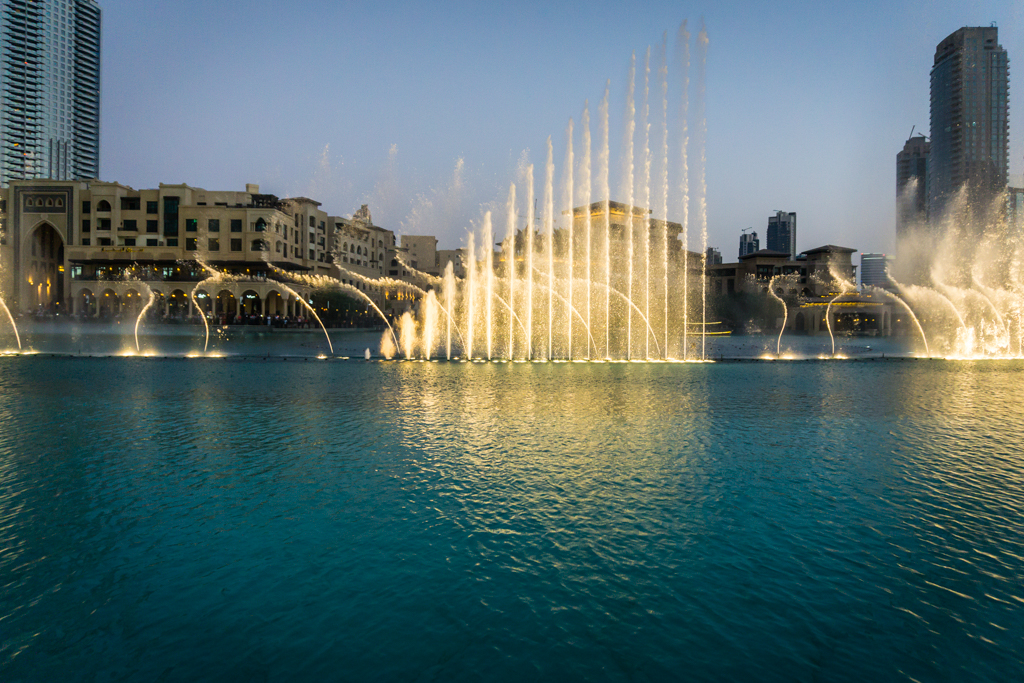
x=314, y=520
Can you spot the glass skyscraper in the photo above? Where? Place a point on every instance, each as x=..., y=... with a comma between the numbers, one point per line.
x=969, y=121
x=49, y=89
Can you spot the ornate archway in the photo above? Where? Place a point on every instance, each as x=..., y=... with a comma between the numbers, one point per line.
x=44, y=269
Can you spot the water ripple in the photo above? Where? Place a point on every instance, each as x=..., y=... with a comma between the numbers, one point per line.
x=816, y=521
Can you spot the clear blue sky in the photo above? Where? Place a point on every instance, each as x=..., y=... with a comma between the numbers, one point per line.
x=375, y=102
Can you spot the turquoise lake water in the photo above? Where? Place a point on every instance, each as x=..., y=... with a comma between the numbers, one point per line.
x=267, y=519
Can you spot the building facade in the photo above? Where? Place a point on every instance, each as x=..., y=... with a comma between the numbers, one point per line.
x=96, y=248
x=749, y=243
x=782, y=233
x=420, y=253
x=912, y=184
x=809, y=288
x=457, y=257
x=49, y=89
x=969, y=123
x=362, y=252
x=874, y=270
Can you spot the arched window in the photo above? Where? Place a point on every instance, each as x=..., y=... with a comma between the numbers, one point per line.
x=258, y=245
x=60, y=203
x=277, y=247
x=359, y=250
x=261, y=225
x=344, y=247
x=49, y=201
x=104, y=205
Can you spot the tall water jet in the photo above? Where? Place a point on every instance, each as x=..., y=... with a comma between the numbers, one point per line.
x=429, y=323
x=663, y=76
x=683, y=42
x=570, y=256
x=470, y=296
x=606, y=192
x=702, y=186
x=449, y=297
x=510, y=260
x=489, y=267
x=586, y=196
x=530, y=219
x=549, y=233
x=645, y=195
x=630, y=128
x=407, y=331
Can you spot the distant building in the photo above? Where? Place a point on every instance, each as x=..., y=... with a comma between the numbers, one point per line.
x=782, y=233
x=1015, y=206
x=969, y=122
x=420, y=252
x=457, y=257
x=748, y=243
x=874, y=270
x=361, y=251
x=912, y=184
x=714, y=257
x=49, y=90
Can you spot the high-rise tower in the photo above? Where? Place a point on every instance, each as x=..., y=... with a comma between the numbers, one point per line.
x=49, y=89
x=911, y=184
x=970, y=122
x=782, y=233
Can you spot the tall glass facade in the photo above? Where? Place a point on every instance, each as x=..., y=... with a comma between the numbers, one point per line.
x=970, y=82
x=49, y=89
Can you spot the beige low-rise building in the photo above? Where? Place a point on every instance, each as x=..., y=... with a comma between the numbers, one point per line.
x=361, y=252
x=97, y=248
x=817, y=283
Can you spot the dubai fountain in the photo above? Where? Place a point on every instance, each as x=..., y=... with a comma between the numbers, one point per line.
x=585, y=278
x=588, y=279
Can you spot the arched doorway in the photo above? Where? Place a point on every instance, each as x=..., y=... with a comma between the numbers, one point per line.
x=45, y=272
x=227, y=306
x=109, y=304
x=85, y=304
x=177, y=304
x=251, y=303
x=205, y=303
x=275, y=303
x=131, y=303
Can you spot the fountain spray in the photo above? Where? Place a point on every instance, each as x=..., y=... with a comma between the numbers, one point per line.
x=606, y=191
x=628, y=161
x=571, y=255
x=663, y=75
x=587, y=199
x=489, y=267
x=683, y=42
x=702, y=187
x=530, y=218
x=549, y=232
x=510, y=261
x=645, y=198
